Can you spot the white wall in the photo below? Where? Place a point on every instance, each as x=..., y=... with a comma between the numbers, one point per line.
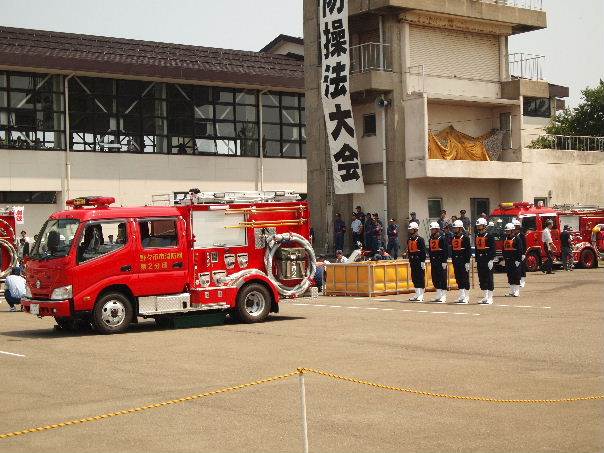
x=132, y=178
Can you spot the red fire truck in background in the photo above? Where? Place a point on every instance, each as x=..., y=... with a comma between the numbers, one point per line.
x=533, y=218
x=8, y=242
x=107, y=266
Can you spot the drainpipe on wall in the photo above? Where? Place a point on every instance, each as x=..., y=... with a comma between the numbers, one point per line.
x=383, y=104
x=260, y=183
x=67, y=188
x=381, y=25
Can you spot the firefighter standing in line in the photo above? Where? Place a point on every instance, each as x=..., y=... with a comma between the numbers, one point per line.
x=522, y=238
x=485, y=254
x=461, y=254
x=416, y=252
x=512, y=253
x=439, y=254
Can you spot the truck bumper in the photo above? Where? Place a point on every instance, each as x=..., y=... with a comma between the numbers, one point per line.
x=41, y=308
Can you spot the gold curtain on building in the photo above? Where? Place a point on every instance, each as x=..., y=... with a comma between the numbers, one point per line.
x=450, y=144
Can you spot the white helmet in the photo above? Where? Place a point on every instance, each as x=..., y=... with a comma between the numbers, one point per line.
x=510, y=227
x=458, y=224
x=434, y=225
x=516, y=222
x=491, y=224
x=481, y=221
x=413, y=226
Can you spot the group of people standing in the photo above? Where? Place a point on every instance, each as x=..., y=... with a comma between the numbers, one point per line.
x=440, y=248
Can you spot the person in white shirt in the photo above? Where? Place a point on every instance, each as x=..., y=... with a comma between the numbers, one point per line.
x=548, y=245
x=340, y=258
x=357, y=230
x=15, y=288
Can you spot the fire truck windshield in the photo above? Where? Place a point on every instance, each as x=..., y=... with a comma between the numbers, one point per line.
x=55, y=239
x=500, y=222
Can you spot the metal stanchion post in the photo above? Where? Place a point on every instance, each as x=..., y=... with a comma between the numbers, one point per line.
x=303, y=406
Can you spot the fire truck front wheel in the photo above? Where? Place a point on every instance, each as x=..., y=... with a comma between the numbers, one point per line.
x=112, y=314
x=253, y=303
x=588, y=259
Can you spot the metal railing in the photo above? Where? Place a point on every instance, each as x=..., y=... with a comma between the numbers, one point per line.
x=526, y=66
x=370, y=56
x=569, y=143
x=525, y=4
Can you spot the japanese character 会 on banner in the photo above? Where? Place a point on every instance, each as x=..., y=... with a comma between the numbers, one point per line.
x=335, y=89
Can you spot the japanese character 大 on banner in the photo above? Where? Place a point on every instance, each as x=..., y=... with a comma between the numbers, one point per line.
x=335, y=88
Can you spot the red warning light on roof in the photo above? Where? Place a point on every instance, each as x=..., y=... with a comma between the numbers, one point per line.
x=98, y=202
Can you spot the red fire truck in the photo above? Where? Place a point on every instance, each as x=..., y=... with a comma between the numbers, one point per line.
x=8, y=242
x=108, y=266
x=533, y=219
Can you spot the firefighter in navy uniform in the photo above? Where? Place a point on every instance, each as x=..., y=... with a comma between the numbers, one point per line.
x=512, y=253
x=522, y=238
x=461, y=255
x=439, y=254
x=485, y=254
x=416, y=252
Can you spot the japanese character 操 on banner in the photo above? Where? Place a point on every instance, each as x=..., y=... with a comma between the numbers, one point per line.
x=335, y=89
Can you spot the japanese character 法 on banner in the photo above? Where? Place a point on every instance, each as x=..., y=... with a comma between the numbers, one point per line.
x=335, y=89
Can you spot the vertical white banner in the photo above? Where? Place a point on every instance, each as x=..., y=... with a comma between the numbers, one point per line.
x=19, y=214
x=337, y=106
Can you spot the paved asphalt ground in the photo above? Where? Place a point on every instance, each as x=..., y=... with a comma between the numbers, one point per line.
x=546, y=344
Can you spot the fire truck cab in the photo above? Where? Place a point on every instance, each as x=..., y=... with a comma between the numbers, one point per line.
x=533, y=219
x=108, y=266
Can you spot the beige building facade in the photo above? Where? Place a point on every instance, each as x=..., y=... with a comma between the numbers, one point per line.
x=442, y=64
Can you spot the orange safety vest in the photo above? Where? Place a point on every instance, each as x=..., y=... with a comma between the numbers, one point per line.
x=457, y=244
x=435, y=245
x=481, y=243
x=412, y=246
x=508, y=245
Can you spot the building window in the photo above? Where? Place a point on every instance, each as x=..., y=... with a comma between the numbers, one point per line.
x=538, y=107
x=369, y=127
x=435, y=205
x=505, y=125
x=283, y=125
x=28, y=197
x=31, y=111
x=540, y=201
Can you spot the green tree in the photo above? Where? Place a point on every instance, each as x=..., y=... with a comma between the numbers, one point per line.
x=585, y=119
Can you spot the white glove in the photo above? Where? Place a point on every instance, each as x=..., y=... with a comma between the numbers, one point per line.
x=523, y=257
x=444, y=265
x=467, y=267
x=424, y=266
x=490, y=265
x=517, y=263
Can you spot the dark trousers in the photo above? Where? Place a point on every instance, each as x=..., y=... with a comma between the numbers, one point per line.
x=393, y=248
x=567, y=258
x=548, y=264
x=461, y=275
x=356, y=237
x=485, y=275
x=371, y=243
x=418, y=275
x=320, y=277
x=513, y=271
x=10, y=300
x=339, y=241
x=439, y=275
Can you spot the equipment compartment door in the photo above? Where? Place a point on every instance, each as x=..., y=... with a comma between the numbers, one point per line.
x=162, y=261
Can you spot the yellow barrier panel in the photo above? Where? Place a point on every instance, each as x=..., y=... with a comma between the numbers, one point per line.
x=377, y=278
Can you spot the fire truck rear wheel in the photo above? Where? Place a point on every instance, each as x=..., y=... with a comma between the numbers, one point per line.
x=253, y=303
x=112, y=314
x=588, y=259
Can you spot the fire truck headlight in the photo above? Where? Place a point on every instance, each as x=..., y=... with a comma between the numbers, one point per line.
x=62, y=293
x=28, y=292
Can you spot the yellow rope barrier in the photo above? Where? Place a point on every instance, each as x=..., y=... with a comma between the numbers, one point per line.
x=281, y=377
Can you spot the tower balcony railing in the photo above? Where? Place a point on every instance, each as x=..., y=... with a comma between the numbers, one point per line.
x=525, y=4
x=370, y=56
x=526, y=66
x=568, y=143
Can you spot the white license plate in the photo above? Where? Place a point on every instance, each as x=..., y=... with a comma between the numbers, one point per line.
x=34, y=309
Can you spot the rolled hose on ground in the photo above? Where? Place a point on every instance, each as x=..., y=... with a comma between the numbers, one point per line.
x=13, y=257
x=272, y=245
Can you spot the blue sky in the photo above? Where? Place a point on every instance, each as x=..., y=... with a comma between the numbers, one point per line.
x=573, y=43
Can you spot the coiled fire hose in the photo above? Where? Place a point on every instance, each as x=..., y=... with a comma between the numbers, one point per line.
x=12, y=251
x=273, y=243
